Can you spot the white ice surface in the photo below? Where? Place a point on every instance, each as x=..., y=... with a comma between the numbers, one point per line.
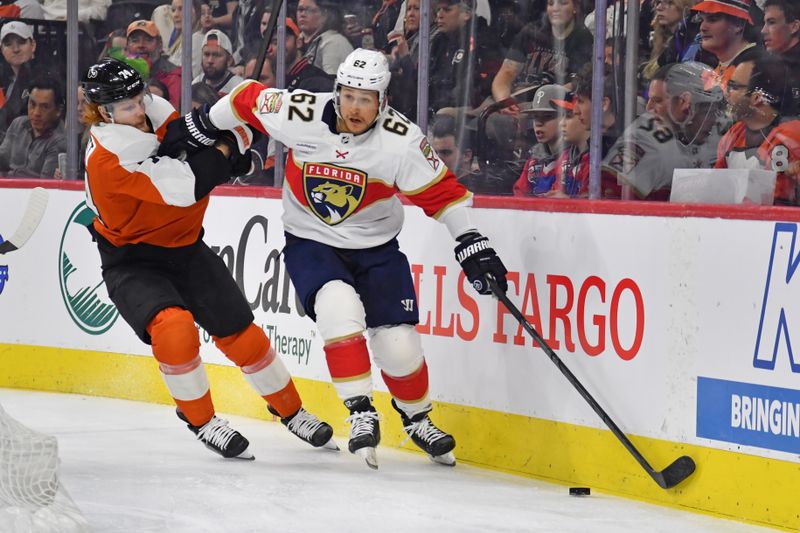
x=134, y=468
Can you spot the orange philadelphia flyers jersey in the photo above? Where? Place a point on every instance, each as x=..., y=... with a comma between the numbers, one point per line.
x=137, y=196
x=775, y=150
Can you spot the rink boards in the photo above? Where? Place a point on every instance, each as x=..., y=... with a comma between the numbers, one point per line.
x=680, y=322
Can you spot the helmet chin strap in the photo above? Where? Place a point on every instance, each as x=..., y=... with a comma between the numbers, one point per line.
x=110, y=112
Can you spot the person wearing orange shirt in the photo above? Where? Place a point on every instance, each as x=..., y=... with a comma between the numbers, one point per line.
x=158, y=271
x=727, y=32
x=762, y=138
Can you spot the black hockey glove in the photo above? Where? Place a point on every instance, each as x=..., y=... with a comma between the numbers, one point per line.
x=478, y=259
x=189, y=134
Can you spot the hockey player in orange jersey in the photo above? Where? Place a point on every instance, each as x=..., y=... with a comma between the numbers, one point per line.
x=763, y=137
x=350, y=154
x=159, y=273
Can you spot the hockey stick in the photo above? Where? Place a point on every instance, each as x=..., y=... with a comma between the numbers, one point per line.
x=37, y=203
x=676, y=472
x=268, y=33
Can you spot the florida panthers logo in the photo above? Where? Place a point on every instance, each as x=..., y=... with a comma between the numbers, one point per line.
x=333, y=193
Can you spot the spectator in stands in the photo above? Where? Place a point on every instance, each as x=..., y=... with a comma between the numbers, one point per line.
x=222, y=13
x=246, y=30
x=667, y=16
x=267, y=76
x=609, y=126
x=572, y=167
x=547, y=111
x=781, y=34
x=18, y=47
x=174, y=47
x=157, y=88
x=404, y=62
x=545, y=52
x=115, y=44
x=464, y=57
x=583, y=103
x=202, y=95
x=87, y=9
x=727, y=32
x=683, y=131
x=383, y=22
x=657, y=99
x=322, y=42
x=452, y=147
x=300, y=73
x=144, y=41
x=781, y=30
x=762, y=138
x=31, y=147
x=217, y=61
x=206, y=19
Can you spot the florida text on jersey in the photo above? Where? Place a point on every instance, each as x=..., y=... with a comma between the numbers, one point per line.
x=341, y=188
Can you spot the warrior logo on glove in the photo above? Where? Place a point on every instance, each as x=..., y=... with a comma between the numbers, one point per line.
x=478, y=259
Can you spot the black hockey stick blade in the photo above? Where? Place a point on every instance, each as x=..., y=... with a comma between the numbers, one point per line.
x=676, y=472
x=272, y=22
x=680, y=469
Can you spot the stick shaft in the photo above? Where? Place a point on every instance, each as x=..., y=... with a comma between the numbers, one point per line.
x=268, y=33
x=572, y=379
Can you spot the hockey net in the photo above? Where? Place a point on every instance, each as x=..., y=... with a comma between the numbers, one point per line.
x=32, y=500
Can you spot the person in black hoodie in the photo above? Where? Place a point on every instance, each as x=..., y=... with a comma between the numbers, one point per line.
x=464, y=58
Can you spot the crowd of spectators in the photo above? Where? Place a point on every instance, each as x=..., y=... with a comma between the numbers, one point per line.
x=509, y=103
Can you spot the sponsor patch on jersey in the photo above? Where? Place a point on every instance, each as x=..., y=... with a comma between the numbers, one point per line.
x=333, y=193
x=272, y=103
x=627, y=157
x=427, y=152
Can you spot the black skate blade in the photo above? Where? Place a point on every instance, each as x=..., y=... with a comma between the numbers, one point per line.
x=446, y=459
x=370, y=457
x=679, y=470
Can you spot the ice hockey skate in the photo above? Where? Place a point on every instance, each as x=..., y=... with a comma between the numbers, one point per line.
x=432, y=440
x=365, y=431
x=220, y=438
x=309, y=428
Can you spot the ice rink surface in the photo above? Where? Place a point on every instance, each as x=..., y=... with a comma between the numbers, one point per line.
x=134, y=468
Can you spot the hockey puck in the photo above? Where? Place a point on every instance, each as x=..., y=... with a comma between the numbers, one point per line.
x=579, y=491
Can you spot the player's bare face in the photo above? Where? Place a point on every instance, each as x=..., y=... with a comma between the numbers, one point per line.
x=657, y=98
x=737, y=93
x=130, y=112
x=779, y=35
x=358, y=108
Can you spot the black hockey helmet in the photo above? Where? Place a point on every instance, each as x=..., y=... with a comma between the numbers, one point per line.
x=110, y=81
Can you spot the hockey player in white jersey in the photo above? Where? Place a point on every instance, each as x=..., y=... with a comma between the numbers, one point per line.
x=684, y=136
x=350, y=153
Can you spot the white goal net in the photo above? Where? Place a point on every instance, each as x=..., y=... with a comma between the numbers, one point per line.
x=32, y=500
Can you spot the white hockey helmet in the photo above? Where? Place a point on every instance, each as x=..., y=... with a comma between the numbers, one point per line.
x=364, y=69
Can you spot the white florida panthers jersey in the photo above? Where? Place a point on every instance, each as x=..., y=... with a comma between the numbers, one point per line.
x=340, y=188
